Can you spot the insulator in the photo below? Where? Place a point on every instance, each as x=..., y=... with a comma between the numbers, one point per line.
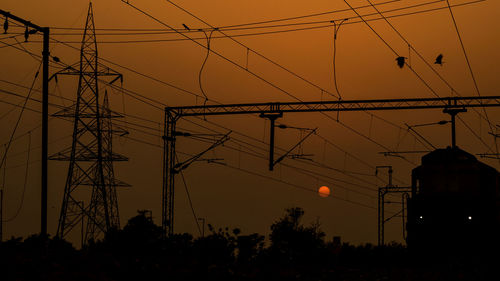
x=26, y=34
x=6, y=25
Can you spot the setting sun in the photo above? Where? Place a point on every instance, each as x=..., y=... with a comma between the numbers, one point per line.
x=324, y=191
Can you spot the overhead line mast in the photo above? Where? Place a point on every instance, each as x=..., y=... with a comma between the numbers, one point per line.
x=45, y=109
x=450, y=105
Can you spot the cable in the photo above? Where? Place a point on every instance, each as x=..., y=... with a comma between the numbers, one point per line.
x=297, y=186
x=470, y=70
x=429, y=65
x=250, y=72
x=203, y=65
x=244, y=24
x=19, y=118
x=233, y=63
x=189, y=198
x=18, y=211
x=261, y=27
x=336, y=29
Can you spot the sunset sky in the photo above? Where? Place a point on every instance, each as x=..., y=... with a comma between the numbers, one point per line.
x=290, y=35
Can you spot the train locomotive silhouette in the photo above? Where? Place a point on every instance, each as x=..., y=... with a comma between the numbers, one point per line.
x=455, y=203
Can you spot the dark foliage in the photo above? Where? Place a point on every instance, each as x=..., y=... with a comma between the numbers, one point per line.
x=295, y=252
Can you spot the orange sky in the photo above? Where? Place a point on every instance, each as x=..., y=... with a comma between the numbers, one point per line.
x=366, y=69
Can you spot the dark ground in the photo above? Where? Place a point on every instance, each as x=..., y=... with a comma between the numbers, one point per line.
x=295, y=252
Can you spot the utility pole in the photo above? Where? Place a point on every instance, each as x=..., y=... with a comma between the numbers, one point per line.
x=1, y=214
x=381, y=205
x=45, y=110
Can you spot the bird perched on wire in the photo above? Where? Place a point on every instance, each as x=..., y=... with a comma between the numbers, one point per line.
x=439, y=60
x=401, y=61
x=186, y=27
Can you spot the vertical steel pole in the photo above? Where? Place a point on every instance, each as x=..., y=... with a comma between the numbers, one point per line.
x=378, y=217
x=1, y=214
x=453, y=132
x=271, y=145
x=45, y=130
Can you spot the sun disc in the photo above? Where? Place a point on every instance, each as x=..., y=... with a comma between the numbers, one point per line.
x=324, y=191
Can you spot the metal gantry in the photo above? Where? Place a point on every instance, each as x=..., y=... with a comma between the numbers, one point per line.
x=382, y=192
x=275, y=110
x=91, y=154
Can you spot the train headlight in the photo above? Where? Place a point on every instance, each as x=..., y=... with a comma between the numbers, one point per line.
x=469, y=218
x=421, y=217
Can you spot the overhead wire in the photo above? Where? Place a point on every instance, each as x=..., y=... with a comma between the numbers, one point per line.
x=196, y=94
x=250, y=72
x=471, y=71
x=150, y=134
x=433, y=69
x=228, y=28
x=19, y=118
x=209, y=38
x=189, y=198
x=396, y=53
x=244, y=24
x=21, y=203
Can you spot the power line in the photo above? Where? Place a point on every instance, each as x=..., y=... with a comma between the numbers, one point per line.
x=470, y=69
x=231, y=62
x=427, y=63
x=189, y=199
x=244, y=24
x=18, y=211
x=260, y=27
x=254, y=74
x=396, y=53
x=19, y=118
x=127, y=32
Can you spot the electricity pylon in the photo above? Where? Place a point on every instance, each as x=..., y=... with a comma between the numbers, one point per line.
x=91, y=154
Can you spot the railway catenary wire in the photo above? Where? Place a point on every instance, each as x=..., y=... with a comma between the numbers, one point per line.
x=147, y=76
x=302, y=170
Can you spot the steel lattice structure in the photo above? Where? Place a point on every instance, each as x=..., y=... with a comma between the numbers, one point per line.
x=91, y=154
x=342, y=105
x=274, y=110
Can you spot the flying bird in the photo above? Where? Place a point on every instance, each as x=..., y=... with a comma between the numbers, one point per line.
x=439, y=59
x=186, y=27
x=401, y=61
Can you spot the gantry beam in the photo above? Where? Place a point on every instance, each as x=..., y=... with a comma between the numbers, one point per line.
x=342, y=105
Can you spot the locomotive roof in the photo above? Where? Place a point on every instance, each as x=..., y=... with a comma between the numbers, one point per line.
x=451, y=155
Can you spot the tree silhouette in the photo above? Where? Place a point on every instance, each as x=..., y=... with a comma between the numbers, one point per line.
x=292, y=242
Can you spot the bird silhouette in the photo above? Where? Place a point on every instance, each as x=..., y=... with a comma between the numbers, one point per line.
x=401, y=61
x=186, y=27
x=439, y=59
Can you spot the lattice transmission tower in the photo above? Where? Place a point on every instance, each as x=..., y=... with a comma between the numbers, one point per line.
x=91, y=154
